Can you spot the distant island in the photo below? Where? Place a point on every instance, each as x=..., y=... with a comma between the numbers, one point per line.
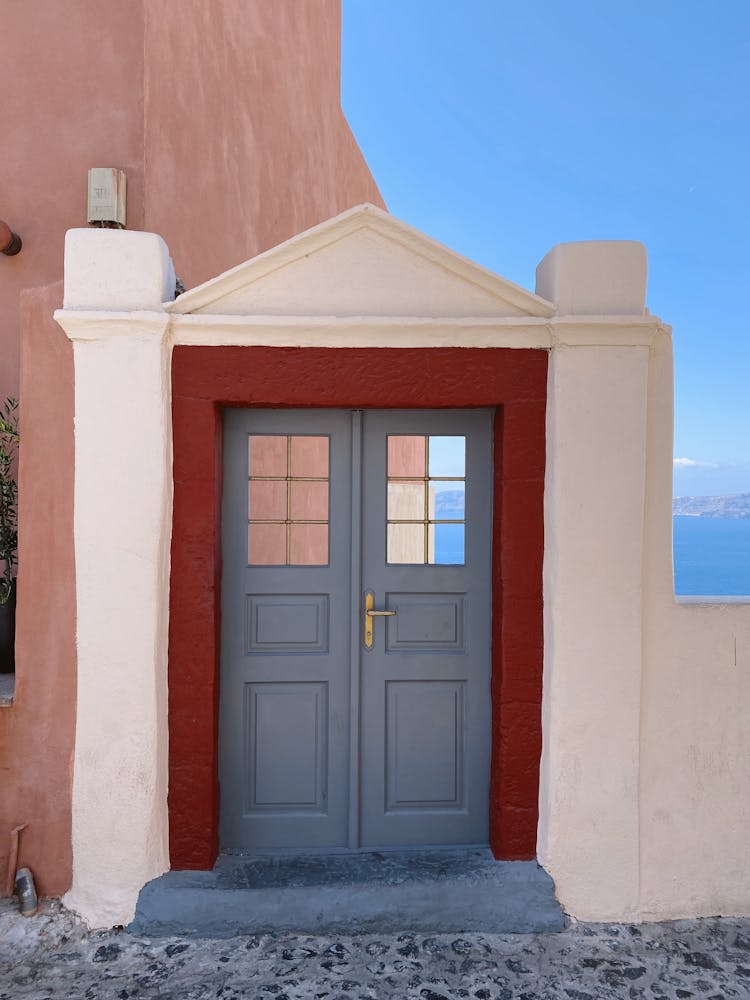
x=449, y=504
x=735, y=505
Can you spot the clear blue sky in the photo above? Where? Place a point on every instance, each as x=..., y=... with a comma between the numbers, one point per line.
x=502, y=128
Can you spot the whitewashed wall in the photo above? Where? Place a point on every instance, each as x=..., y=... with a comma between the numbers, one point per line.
x=645, y=795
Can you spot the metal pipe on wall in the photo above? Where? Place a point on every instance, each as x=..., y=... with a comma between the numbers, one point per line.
x=10, y=242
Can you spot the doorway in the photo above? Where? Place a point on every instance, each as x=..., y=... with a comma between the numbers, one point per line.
x=355, y=704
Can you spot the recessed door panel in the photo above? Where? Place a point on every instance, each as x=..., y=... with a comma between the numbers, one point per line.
x=287, y=623
x=286, y=743
x=424, y=746
x=426, y=623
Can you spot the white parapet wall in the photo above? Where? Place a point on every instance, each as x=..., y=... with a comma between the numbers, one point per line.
x=694, y=800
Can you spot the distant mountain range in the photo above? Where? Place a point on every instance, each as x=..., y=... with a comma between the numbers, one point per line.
x=732, y=505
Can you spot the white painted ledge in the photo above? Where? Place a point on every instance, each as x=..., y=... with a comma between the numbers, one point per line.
x=691, y=600
x=89, y=325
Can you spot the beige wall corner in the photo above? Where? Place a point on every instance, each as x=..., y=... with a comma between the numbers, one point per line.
x=594, y=492
x=601, y=278
x=112, y=269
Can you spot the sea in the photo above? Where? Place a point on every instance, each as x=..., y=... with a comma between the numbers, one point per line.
x=711, y=556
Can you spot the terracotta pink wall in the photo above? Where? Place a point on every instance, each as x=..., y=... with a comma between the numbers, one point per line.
x=72, y=99
x=245, y=140
x=36, y=734
x=225, y=115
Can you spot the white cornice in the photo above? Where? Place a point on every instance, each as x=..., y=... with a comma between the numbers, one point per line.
x=359, y=331
x=411, y=331
x=605, y=331
x=88, y=325
x=363, y=331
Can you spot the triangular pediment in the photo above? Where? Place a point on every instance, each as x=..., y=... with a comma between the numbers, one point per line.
x=360, y=263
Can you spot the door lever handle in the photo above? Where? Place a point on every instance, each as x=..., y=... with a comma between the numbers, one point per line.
x=370, y=613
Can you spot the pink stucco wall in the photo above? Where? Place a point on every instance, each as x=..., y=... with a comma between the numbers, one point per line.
x=245, y=140
x=72, y=99
x=227, y=120
x=36, y=734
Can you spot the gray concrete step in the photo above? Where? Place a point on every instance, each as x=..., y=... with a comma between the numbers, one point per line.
x=433, y=891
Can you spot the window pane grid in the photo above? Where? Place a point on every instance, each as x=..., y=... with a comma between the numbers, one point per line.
x=411, y=517
x=297, y=534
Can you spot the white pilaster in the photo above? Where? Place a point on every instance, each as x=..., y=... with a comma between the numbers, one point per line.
x=593, y=569
x=122, y=525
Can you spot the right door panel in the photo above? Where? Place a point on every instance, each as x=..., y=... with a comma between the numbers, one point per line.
x=425, y=681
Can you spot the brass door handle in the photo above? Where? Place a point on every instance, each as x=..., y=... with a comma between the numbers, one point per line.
x=370, y=613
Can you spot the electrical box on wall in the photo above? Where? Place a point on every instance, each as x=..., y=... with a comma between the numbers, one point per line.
x=106, y=206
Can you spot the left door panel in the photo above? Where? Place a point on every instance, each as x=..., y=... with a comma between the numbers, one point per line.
x=286, y=599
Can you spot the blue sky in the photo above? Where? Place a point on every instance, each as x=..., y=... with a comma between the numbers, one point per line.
x=502, y=128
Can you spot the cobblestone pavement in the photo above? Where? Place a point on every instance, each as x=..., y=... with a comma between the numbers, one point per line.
x=52, y=956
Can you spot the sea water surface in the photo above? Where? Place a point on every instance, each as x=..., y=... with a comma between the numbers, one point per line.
x=711, y=556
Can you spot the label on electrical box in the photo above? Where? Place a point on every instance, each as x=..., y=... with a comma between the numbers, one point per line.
x=106, y=195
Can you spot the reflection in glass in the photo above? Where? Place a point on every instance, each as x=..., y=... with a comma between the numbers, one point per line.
x=405, y=501
x=267, y=544
x=309, y=457
x=267, y=500
x=308, y=501
x=268, y=455
x=447, y=500
x=406, y=543
x=432, y=468
x=446, y=544
x=447, y=456
x=308, y=544
x=406, y=456
x=288, y=500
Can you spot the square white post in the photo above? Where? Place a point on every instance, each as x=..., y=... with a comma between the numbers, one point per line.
x=593, y=575
x=114, y=285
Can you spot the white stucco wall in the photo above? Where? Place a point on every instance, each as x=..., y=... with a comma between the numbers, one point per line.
x=596, y=423
x=645, y=772
x=122, y=526
x=695, y=730
x=645, y=780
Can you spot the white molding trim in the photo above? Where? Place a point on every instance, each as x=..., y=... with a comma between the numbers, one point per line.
x=88, y=325
x=207, y=330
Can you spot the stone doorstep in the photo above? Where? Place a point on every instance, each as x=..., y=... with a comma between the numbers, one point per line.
x=430, y=891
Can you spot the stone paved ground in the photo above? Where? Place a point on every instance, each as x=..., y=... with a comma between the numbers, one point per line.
x=52, y=956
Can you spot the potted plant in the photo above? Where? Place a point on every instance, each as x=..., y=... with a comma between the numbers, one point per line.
x=8, y=532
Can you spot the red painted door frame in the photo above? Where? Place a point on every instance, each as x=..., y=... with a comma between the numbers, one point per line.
x=206, y=379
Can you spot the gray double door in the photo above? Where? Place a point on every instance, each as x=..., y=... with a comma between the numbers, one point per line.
x=340, y=728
